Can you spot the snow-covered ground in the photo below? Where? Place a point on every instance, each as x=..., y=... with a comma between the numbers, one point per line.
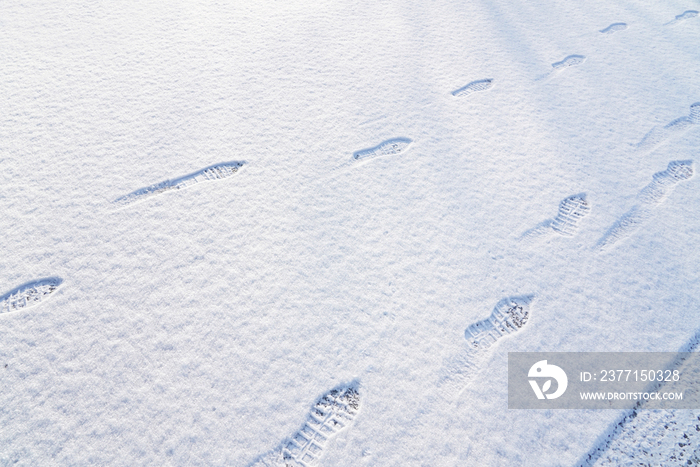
x=227, y=225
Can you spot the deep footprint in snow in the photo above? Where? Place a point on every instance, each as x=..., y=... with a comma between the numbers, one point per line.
x=652, y=195
x=613, y=28
x=389, y=147
x=29, y=295
x=683, y=16
x=334, y=412
x=475, y=86
x=507, y=318
x=214, y=172
x=659, y=135
x=571, y=210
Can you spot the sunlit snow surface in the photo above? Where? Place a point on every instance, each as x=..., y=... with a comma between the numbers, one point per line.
x=526, y=171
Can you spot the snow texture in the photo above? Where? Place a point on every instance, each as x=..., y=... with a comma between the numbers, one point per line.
x=408, y=177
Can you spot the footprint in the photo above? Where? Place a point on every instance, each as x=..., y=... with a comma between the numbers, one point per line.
x=663, y=182
x=651, y=196
x=29, y=295
x=475, y=86
x=215, y=172
x=568, y=62
x=695, y=113
x=387, y=148
x=613, y=28
x=571, y=60
x=331, y=414
x=683, y=16
x=508, y=317
x=659, y=135
x=571, y=211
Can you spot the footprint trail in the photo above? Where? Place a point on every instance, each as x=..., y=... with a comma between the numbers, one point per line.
x=651, y=196
x=214, y=172
x=508, y=317
x=29, y=295
x=334, y=412
x=475, y=86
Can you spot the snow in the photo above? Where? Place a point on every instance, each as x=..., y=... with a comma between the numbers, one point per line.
x=201, y=326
